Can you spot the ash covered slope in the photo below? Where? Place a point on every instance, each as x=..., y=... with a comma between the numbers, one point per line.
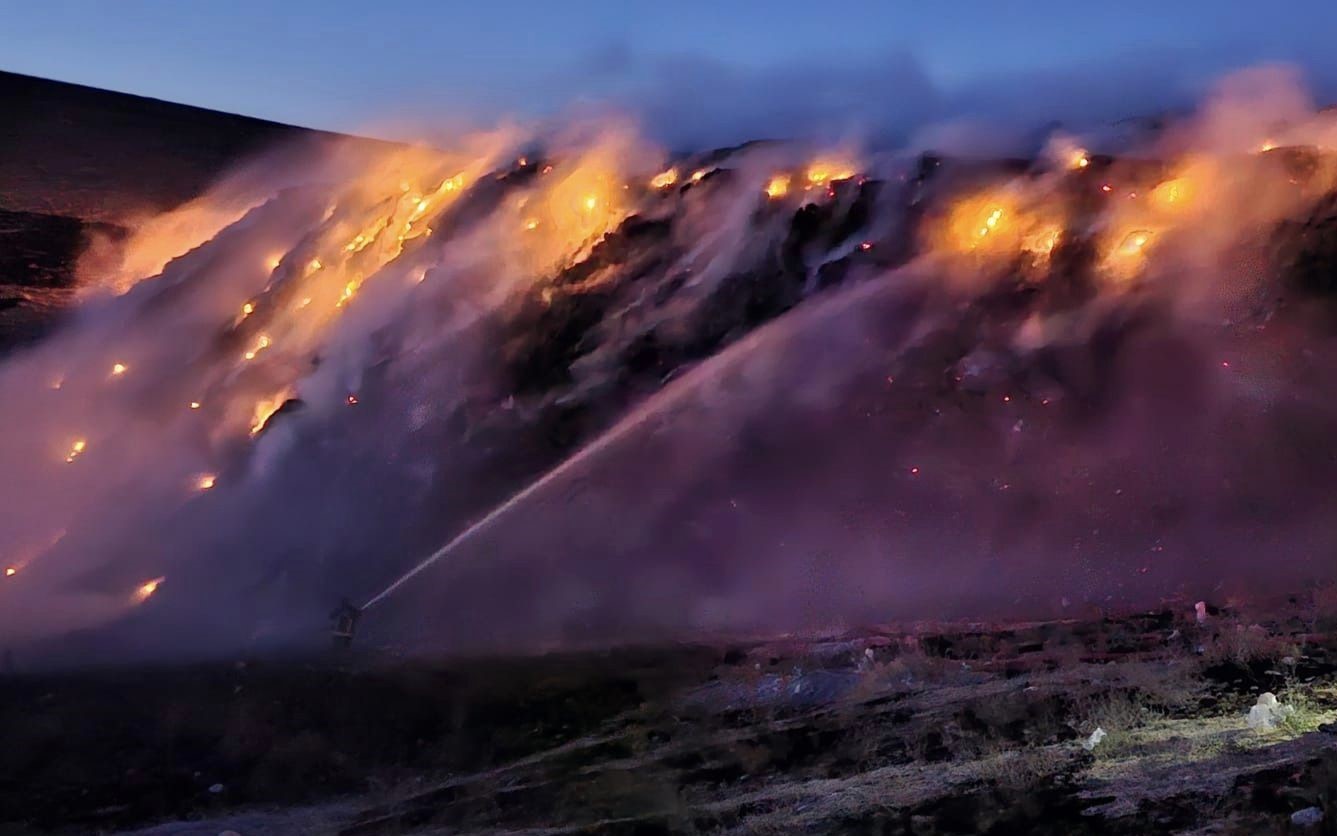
x=763, y=389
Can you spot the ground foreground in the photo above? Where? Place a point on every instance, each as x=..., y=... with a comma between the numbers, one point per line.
x=936, y=729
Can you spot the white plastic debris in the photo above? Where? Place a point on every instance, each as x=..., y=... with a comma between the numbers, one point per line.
x=1268, y=712
x=1308, y=817
x=1094, y=740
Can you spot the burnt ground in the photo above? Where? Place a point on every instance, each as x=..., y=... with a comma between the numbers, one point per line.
x=947, y=729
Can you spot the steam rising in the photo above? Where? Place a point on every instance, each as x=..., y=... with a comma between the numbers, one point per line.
x=993, y=392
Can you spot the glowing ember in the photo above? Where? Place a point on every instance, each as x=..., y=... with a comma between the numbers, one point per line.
x=312, y=266
x=698, y=174
x=664, y=179
x=260, y=345
x=205, y=481
x=351, y=400
x=76, y=449
x=147, y=588
x=866, y=246
x=1267, y=145
x=118, y=369
x=247, y=309
x=11, y=571
x=531, y=225
x=273, y=262
x=778, y=186
x=591, y=202
x=194, y=404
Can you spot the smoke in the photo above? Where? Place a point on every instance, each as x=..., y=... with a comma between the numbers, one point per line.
x=798, y=386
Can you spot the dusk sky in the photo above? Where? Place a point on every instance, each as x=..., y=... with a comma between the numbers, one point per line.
x=354, y=66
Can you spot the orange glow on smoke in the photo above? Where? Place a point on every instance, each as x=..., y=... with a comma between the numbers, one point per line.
x=778, y=186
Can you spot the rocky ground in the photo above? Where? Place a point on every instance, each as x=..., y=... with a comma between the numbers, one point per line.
x=932, y=729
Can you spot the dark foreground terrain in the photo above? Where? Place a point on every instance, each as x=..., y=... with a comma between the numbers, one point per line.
x=936, y=730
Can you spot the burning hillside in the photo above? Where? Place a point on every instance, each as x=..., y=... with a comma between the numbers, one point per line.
x=565, y=388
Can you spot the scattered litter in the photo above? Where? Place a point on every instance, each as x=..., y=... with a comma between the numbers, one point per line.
x=1267, y=713
x=1094, y=740
x=1308, y=817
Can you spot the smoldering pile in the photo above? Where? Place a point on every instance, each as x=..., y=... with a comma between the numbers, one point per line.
x=781, y=388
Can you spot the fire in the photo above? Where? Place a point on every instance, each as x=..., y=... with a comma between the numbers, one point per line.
x=1134, y=242
x=205, y=481
x=273, y=262
x=826, y=171
x=531, y=224
x=351, y=400
x=996, y=223
x=195, y=404
x=247, y=309
x=260, y=345
x=698, y=175
x=147, y=588
x=1128, y=257
x=118, y=369
x=1042, y=243
x=313, y=265
x=778, y=186
x=76, y=450
x=349, y=291
x=664, y=179
x=11, y=571
x=265, y=409
x=1266, y=146
x=591, y=202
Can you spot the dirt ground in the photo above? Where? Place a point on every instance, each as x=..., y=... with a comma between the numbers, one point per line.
x=933, y=729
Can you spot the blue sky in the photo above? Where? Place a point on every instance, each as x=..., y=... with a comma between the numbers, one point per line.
x=347, y=65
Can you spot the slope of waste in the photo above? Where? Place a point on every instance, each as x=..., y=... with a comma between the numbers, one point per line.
x=569, y=390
